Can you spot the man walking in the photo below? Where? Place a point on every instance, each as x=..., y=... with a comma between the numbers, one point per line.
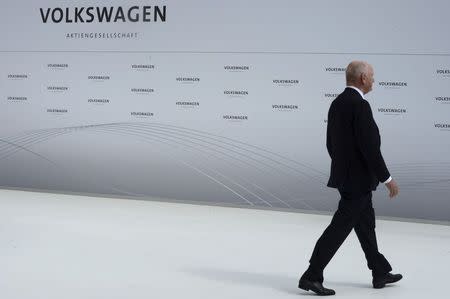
x=357, y=166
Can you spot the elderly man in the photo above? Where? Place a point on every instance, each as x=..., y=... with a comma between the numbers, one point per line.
x=357, y=166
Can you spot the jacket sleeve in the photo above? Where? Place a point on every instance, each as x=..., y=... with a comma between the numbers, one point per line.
x=369, y=142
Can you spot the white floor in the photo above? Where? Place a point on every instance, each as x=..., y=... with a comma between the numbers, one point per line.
x=62, y=246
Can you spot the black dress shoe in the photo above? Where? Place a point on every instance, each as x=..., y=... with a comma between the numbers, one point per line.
x=315, y=286
x=381, y=281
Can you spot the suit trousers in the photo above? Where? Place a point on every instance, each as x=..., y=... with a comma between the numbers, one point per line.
x=356, y=212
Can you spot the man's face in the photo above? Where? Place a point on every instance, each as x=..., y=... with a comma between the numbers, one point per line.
x=368, y=80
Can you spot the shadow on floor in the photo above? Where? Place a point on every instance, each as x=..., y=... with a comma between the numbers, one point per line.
x=281, y=283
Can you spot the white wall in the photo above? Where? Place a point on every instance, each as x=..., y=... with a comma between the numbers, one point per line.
x=274, y=156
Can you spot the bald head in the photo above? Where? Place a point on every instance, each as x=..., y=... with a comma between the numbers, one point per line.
x=360, y=75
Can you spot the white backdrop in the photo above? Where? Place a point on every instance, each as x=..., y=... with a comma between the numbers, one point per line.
x=221, y=102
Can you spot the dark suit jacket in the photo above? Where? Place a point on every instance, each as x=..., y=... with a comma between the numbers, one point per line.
x=353, y=142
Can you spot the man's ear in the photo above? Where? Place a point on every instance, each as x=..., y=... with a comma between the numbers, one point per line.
x=363, y=78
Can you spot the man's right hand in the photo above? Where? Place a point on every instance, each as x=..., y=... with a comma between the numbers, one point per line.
x=393, y=188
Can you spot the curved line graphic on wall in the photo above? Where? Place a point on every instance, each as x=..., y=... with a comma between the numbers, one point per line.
x=19, y=147
x=231, y=145
x=239, y=154
x=213, y=145
x=152, y=139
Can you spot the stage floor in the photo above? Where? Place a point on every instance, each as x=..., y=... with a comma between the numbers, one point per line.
x=55, y=246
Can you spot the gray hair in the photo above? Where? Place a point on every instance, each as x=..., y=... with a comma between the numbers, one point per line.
x=354, y=71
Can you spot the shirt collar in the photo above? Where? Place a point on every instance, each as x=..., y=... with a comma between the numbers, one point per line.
x=358, y=90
